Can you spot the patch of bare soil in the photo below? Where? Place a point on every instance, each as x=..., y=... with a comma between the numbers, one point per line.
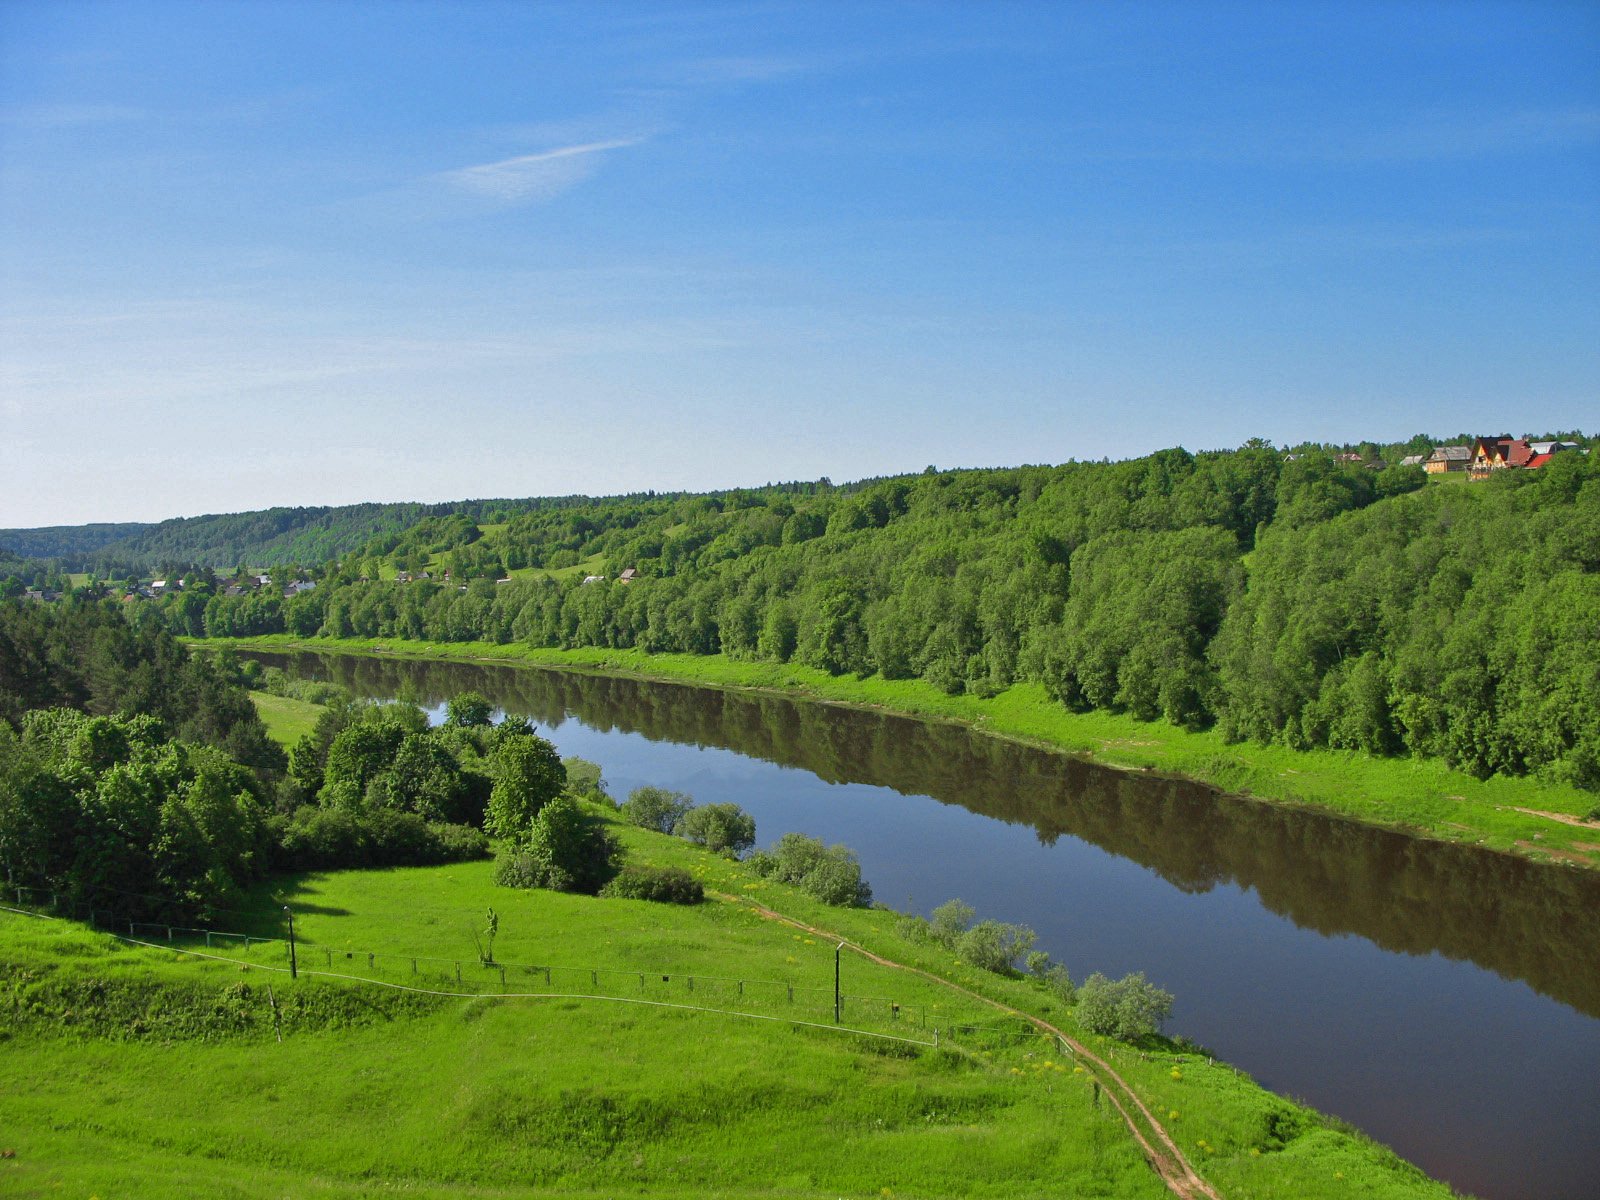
x=1571, y=856
x=1564, y=818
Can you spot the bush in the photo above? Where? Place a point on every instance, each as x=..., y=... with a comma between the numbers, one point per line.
x=1052, y=977
x=724, y=828
x=949, y=921
x=832, y=874
x=469, y=709
x=666, y=885
x=313, y=838
x=995, y=946
x=519, y=870
x=656, y=808
x=1129, y=1008
x=584, y=781
x=992, y=945
x=566, y=850
x=527, y=775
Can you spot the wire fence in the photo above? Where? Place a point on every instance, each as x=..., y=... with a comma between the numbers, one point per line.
x=801, y=1003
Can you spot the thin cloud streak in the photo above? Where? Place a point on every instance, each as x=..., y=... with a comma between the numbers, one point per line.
x=530, y=177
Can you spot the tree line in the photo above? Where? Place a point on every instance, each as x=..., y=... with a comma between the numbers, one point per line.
x=1297, y=599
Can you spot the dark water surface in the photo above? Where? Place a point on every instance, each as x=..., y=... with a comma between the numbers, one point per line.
x=1445, y=1000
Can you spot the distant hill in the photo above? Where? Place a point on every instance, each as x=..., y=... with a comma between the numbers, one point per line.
x=264, y=538
x=67, y=541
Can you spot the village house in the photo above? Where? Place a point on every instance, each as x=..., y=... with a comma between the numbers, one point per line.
x=628, y=575
x=1448, y=458
x=1497, y=454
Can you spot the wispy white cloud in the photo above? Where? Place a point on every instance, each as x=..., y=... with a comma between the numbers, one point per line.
x=735, y=69
x=531, y=177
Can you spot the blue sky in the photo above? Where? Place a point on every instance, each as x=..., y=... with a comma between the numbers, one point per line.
x=266, y=253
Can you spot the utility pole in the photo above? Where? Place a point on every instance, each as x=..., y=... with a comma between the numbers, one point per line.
x=294, y=967
x=838, y=1002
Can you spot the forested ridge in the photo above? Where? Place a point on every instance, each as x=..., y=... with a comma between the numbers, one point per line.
x=1299, y=600
x=64, y=541
x=264, y=538
x=1294, y=598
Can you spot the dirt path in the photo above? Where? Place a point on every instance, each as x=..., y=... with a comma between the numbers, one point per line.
x=1160, y=1150
x=1564, y=818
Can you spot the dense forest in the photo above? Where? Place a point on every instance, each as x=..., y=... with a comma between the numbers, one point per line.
x=136, y=778
x=1306, y=598
x=65, y=541
x=1291, y=598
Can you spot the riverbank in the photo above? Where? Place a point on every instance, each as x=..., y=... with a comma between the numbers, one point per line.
x=1543, y=822
x=691, y=1051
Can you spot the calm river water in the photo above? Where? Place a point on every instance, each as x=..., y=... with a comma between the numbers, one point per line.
x=1443, y=999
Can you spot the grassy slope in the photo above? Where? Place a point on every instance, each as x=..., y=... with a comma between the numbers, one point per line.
x=1417, y=795
x=287, y=719
x=573, y=1097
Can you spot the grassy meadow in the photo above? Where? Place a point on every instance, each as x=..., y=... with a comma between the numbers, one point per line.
x=287, y=719
x=138, y=1070
x=1418, y=796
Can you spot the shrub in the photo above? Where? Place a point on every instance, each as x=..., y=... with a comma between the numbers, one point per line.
x=949, y=921
x=995, y=946
x=469, y=709
x=1052, y=976
x=527, y=775
x=666, y=885
x=992, y=945
x=724, y=828
x=566, y=850
x=319, y=838
x=656, y=808
x=585, y=782
x=1129, y=1008
x=830, y=873
x=519, y=870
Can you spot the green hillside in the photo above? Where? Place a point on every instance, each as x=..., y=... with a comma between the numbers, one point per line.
x=156, y=1072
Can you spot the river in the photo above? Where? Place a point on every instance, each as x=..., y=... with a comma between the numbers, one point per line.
x=1443, y=999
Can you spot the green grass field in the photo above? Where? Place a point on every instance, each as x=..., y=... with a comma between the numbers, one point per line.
x=287, y=719
x=143, y=1071
x=1419, y=796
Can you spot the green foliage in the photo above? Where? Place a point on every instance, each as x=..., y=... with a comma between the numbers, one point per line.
x=832, y=874
x=656, y=808
x=1128, y=1008
x=313, y=838
x=995, y=946
x=1301, y=599
x=528, y=775
x=992, y=945
x=565, y=849
x=91, y=805
x=949, y=921
x=722, y=828
x=585, y=780
x=1414, y=625
x=469, y=710
x=666, y=885
x=359, y=756
x=85, y=655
